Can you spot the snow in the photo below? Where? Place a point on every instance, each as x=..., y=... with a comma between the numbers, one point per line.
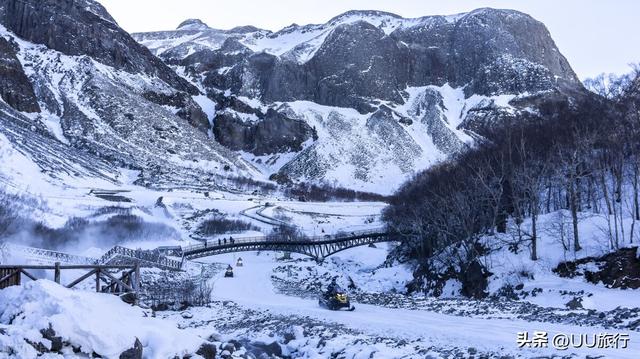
x=316, y=218
x=209, y=108
x=506, y=266
x=93, y=322
x=299, y=43
x=52, y=122
x=269, y=164
x=207, y=105
x=252, y=288
x=352, y=154
x=72, y=316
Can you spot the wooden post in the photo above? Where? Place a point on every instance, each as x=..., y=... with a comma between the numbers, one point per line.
x=56, y=273
x=98, y=280
x=136, y=283
x=9, y=277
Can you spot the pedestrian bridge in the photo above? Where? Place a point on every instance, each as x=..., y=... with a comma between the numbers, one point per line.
x=318, y=247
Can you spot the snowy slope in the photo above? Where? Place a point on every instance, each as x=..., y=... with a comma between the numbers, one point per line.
x=106, y=112
x=385, y=96
x=378, y=152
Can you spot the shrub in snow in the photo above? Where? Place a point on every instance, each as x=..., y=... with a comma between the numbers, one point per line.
x=218, y=224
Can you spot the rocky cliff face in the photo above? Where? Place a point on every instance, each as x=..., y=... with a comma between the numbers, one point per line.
x=386, y=96
x=15, y=88
x=360, y=56
x=259, y=137
x=83, y=27
x=76, y=87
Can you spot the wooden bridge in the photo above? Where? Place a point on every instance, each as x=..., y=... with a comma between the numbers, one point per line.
x=117, y=255
x=122, y=280
x=318, y=247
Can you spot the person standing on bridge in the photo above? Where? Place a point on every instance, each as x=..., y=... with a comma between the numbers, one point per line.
x=224, y=240
x=231, y=240
x=219, y=241
x=205, y=243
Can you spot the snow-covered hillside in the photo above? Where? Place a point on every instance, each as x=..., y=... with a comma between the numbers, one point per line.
x=367, y=99
x=104, y=110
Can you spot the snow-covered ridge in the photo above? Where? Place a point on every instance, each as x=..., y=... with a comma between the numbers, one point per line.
x=194, y=35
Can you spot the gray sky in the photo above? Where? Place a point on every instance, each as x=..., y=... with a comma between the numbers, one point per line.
x=595, y=35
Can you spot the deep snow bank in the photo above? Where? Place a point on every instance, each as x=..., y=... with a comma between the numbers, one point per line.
x=91, y=322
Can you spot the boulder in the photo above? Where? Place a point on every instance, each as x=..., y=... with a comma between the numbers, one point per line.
x=133, y=353
x=207, y=351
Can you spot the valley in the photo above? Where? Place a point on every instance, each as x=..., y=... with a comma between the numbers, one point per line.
x=449, y=176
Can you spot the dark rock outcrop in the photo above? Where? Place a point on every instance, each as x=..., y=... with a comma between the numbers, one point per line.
x=357, y=61
x=474, y=280
x=274, y=133
x=477, y=47
x=263, y=350
x=15, y=88
x=185, y=107
x=619, y=269
x=83, y=27
x=56, y=341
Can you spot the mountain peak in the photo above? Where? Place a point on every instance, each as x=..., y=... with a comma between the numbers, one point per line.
x=193, y=24
x=364, y=13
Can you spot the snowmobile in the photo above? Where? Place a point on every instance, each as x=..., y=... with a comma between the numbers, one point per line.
x=229, y=272
x=335, y=298
x=239, y=262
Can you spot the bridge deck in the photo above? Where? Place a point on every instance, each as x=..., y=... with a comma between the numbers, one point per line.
x=317, y=247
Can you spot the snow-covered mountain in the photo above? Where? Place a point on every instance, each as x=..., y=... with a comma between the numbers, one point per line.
x=80, y=97
x=368, y=98
x=363, y=101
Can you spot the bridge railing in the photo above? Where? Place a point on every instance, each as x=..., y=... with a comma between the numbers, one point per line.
x=213, y=243
x=47, y=255
x=152, y=257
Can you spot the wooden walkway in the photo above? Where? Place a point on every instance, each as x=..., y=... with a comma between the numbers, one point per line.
x=112, y=279
x=117, y=255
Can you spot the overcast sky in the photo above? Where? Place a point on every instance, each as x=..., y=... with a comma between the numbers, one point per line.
x=595, y=35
